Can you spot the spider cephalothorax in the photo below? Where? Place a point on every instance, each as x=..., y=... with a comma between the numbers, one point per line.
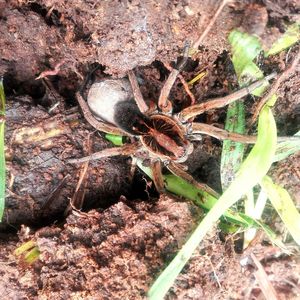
x=167, y=139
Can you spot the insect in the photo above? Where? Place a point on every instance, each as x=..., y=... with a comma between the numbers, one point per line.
x=159, y=135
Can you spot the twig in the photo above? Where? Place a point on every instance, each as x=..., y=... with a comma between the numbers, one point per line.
x=53, y=72
x=274, y=88
x=184, y=83
x=77, y=198
x=54, y=194
x=263, y=280
x=210, y=25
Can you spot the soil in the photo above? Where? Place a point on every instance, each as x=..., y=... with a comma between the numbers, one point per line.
x=126, y=233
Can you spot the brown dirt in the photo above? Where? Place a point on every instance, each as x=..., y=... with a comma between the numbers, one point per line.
x=116, y=251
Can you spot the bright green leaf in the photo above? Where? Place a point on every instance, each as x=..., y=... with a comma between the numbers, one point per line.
x=32, y=255
x=289, y=38
x=244, y=48
x=25, y=247
x=115, y=139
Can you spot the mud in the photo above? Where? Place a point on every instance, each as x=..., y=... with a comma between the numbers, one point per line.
x=116, y=250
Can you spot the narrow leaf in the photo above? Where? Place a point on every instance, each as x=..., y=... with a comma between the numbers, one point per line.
x=115, y=139
x=284, y=206
x=289, y=38
x=285, y=149
x=232, y=152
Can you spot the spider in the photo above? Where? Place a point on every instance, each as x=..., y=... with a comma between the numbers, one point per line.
x=159, y=135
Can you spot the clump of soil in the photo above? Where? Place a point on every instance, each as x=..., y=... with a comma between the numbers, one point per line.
x=117, y=250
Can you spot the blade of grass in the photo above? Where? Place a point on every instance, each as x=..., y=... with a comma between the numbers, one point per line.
x=232, y=152
x=284, y=206
x=286, y=149
x=180, y=187
x=251, y=172
x=115, y=139
x=25, y=247
x=288, y=39
x=2, y=154
x=32, y=255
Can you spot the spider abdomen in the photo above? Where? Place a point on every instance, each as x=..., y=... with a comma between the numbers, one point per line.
x=103, y=97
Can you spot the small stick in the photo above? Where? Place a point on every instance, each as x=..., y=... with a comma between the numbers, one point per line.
x=78, y=196
x=263, y=280
x=53, y=72
x=138, y=97
x=125, y=150
x=274, y=88
x=184, y=83
x=198, y=109
x=210, y=25
x=54, y=194
x=94, y=122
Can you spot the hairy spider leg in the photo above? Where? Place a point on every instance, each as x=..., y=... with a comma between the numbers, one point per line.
x=163, y=103
x=178, y=170
x=198, y=109
x=158, y=180
x=125, y=150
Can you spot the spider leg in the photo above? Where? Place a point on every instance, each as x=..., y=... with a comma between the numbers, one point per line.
x=222, y=134
x=157, y=176
x=163, y=103
x=125, y=150
x=178, y=171
x=101, y=126
x=138, y=97
x=198, y=109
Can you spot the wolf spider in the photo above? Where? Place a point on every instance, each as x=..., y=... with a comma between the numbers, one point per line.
x=158, y=135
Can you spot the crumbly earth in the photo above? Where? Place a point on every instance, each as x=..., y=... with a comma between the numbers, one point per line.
x=116, y=250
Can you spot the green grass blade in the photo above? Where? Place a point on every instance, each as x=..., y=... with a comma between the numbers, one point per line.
x=288, y=39
x=285, y=149
x=232, y=152
x=25, y=247
x=284, y=206
x=180, y=187
x=245, y=48
x=32, y=256
x=252, y=171
x=115, y=139
x=2, y=154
